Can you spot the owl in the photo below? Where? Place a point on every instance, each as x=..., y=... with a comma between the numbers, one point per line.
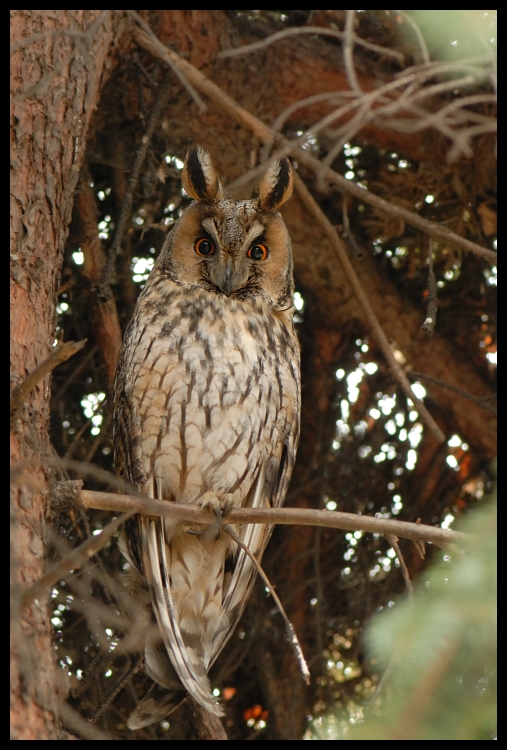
x=207, y=404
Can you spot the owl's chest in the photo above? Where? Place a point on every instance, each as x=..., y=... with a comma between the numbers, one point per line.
x=212, y=391
x=207, y=360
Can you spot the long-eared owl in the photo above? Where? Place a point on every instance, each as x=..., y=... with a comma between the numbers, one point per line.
x=207, y=403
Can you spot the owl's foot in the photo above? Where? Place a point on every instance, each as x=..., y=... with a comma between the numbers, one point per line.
x=220, y=506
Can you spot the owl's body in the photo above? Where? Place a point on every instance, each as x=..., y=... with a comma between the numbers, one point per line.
x=207, y=412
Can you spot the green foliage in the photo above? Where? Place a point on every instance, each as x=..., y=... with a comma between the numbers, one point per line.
x=437, y=650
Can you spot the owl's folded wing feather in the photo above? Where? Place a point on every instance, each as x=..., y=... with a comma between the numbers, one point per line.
x=186, y=660
x=255, y=536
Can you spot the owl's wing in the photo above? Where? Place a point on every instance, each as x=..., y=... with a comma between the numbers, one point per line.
x=255, y=537
x=143, y=543
x=122, y=424
x=186, y=660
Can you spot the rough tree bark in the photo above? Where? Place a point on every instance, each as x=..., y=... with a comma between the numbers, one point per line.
x=55, y=85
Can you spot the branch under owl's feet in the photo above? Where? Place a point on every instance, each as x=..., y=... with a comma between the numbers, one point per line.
x=130, y=504
x=286, y=516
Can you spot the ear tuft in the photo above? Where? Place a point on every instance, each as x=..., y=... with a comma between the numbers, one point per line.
x=276, y=185
x=199, y=177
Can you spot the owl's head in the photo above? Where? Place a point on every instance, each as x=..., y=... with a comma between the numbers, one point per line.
x=240, y=249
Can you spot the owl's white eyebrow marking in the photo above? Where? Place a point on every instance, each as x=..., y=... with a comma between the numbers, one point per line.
x=210, y=227
x=255, y=231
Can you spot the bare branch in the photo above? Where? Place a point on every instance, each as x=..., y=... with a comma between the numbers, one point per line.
x=417, y=31
x=296, y=31
x=482, y=402
x=73, y=560
x=291, y=633
x=348, y=50
x=130, y=672
x=431, y=315
x=285, y=516
x=393, y=541
x=59, y=354
x=157, y=49
x=354, y=282
x=74, y=721
x=347, y=232
x=114, y=250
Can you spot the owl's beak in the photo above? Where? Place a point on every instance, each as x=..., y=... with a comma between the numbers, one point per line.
x=227, y=277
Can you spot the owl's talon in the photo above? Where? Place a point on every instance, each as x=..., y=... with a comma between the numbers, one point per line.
x=220, y=507
x=221, y=512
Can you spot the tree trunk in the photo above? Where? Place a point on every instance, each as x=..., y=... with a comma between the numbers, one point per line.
x=55, y=79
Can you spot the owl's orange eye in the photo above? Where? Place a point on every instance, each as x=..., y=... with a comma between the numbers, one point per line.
x=258, y=252
x=204, y=247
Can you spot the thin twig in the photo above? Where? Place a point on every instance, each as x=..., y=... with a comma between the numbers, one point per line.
x=131, y=671
x=319, y=596
x=482, y=402
x=369, y=110
x=59, y=354
x=417, y=31
x=347, y=233
x=420, y=548
x=264, y=133
x=286, y=516
x=157, y=44
x=76, y=372
x=83, y=469
x=104, y=285
x=431, y=314
x=75, y=442
x=348, y=50
x=75, y=559
x=75, y=721
x=432, y=118
x=296, y=31
x=377, y=330
x=393, y=541
x=439, y=68
x=291, y=633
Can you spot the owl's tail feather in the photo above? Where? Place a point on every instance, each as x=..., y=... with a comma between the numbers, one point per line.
x=156, y=569
x=155, y=706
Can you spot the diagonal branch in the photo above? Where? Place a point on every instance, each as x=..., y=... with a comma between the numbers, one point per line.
x=59, y=354
x=75, y=559
x=291, y=633
x=354, y=282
